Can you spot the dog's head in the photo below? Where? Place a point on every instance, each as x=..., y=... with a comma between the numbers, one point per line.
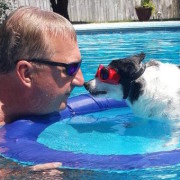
x=128, y=69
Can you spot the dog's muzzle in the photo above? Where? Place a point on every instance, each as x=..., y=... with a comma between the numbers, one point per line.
x=87, y=86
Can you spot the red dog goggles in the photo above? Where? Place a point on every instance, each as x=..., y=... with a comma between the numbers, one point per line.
x=107, y=75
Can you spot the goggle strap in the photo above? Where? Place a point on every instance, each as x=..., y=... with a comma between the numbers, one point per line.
x=137, y=74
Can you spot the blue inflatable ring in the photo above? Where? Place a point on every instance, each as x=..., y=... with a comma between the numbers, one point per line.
x=19, y=141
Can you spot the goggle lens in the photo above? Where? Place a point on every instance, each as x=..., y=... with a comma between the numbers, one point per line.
x=72, y=69
x=108, y=75
x=104, y=74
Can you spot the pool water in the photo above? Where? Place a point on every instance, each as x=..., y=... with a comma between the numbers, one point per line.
x=117, y=131
x=101, y=48
x=114, y=131
x=111, y=132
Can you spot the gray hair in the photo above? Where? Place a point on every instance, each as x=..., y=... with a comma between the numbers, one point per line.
x=23, y=35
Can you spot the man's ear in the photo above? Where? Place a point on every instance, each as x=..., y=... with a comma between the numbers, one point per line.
x=24, y=71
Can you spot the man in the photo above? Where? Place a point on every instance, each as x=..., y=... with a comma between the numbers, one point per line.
x=39, y=63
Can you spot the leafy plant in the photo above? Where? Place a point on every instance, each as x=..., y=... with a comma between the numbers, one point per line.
x=4, y=7
x=148, y=4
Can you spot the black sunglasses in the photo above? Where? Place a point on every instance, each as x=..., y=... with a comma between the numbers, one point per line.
x=71, y=69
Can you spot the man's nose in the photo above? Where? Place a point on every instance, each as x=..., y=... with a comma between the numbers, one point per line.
x=78, y=79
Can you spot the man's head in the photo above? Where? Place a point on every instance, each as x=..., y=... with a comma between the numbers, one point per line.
x=25, y=34
x=29, y=37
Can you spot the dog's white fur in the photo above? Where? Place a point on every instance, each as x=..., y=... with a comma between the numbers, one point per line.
x=160, y=98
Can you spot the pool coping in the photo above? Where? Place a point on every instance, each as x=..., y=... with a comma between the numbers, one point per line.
x=126, y=25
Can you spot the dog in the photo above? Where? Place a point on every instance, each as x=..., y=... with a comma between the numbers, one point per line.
x=151, y=89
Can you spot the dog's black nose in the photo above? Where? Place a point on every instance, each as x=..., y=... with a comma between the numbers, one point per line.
x=86, y=85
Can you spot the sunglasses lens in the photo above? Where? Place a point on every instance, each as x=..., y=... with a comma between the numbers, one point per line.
x=104, y=74
x=72, y=69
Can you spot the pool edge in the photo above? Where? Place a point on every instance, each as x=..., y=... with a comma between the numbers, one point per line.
x=126, y=25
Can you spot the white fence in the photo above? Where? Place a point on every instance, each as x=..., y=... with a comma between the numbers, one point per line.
x=107, y=10
x=118, y=10
x=43, y=4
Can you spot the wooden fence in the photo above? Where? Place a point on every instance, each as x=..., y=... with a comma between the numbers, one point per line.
x=118, y=10
x=108, y=10
x=43, y=4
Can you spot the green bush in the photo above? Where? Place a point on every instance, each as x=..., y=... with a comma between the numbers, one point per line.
x=148, y=4
x=4, y=7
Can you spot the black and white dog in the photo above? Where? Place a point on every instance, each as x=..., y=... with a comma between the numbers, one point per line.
x=151, y=89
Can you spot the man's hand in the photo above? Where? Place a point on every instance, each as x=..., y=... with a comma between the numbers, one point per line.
x=46, y=166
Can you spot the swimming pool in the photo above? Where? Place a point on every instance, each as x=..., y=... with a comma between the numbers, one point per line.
x=100, y=47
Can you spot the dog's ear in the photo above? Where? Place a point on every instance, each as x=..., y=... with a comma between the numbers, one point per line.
x=139, y=57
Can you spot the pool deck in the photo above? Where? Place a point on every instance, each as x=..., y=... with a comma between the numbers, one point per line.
x=127, y=25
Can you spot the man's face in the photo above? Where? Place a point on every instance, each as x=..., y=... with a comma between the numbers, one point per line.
x=52, y=83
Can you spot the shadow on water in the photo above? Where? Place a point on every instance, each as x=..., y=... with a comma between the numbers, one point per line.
x=124, y=126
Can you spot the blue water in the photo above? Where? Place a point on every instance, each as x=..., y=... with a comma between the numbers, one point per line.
x=118, y=131
x=114, y=131
x=101, y=48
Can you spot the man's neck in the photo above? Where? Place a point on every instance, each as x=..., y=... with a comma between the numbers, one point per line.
x=9, y=95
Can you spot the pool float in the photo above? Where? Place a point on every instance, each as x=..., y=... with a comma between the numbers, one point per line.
x=18, y=141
